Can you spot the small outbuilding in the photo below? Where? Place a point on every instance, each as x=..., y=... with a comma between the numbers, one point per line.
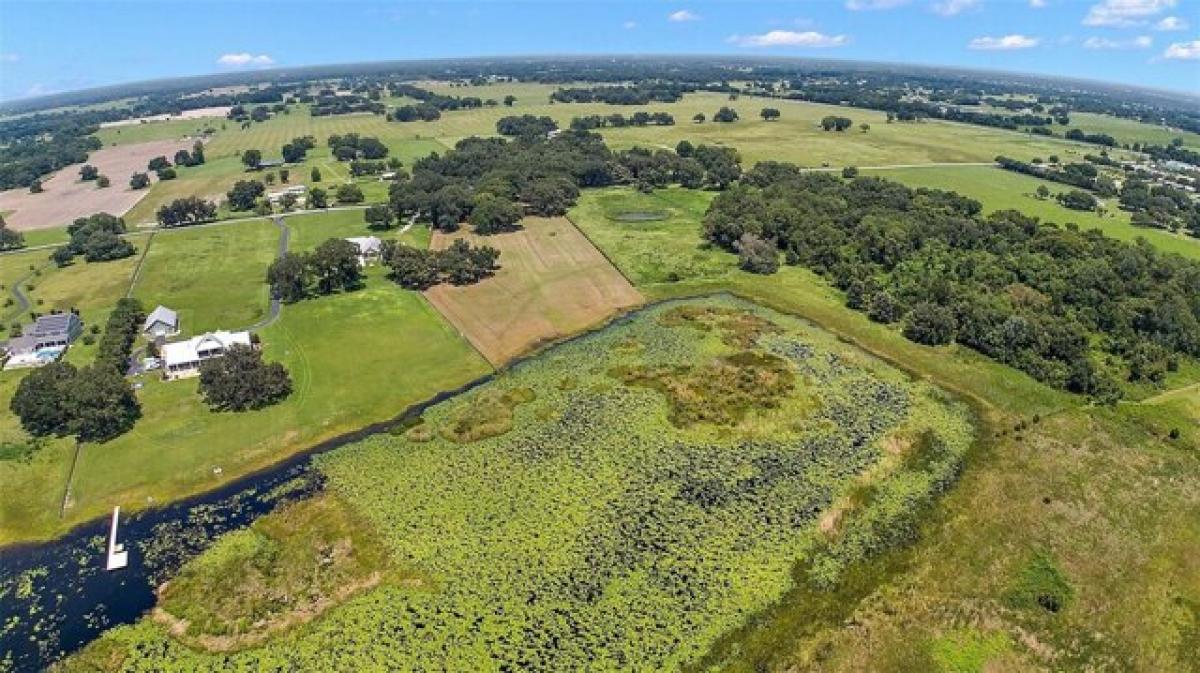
x=162, y=322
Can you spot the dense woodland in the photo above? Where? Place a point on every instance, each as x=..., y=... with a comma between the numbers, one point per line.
x=1073, y=309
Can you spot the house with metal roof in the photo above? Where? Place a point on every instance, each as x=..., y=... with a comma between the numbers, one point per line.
x=162, y=322
x=183, y=358
x=369, y=248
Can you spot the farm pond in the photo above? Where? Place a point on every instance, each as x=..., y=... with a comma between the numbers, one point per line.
x=619, y=500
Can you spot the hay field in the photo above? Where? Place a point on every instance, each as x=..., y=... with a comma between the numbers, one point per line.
x=552, y=283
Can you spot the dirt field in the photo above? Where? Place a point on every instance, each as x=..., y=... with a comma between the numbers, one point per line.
x=552, y=283
x=66, y=198
x=219, y=111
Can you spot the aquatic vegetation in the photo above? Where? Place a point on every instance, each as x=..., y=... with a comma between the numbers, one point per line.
x=594, y=533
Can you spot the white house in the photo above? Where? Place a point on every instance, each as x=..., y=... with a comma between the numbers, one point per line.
x=369, y=248
x=294, y=190
x=162, y=322
x=182, y=358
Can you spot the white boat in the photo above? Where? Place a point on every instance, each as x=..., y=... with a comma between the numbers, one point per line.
x=117, y=556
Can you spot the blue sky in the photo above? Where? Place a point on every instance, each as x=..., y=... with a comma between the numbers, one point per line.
x=55, y=46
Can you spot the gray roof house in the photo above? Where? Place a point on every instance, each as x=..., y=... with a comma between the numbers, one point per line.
x=162, y=322
x=56, y=329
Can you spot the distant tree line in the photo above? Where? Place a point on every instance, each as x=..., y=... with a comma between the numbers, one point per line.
x=618, y=120
x=1082, y=175
x=1074, y=309
x=325, y=105
x=635, y=94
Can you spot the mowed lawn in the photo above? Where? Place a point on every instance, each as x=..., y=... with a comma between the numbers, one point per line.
x=998, y=189
x=552, y=283
x=354, y=359
x=312, y=229
x=214, y=277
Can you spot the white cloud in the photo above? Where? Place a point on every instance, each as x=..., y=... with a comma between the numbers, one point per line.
x=43, y=90
x=1171, y=23
x=953, y=7
x=682, y=15
x=868, y=5
x=1183, y=51
x=1140, y=42
x=1123, y=13
x=1037, y=4
x=245, y=59
x=1005, y=43
x=630, y=25
x=790, y=38
x=9, y=57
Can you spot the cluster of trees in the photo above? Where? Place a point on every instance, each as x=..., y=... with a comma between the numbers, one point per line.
x=1094, y=138
x=425, y=112
x=835, y=123
x=93, y=404
x=23, y=161
x=97, y=238
x=10, y=239
x=618, y=120
x=1160, y=206
x=690, y=166
x=1173, y=152
x=193, y=158
x=636, y=94
x=259, y=113
x=332, y=104
x=186, y=211
x=353, y=146
x=436, y=100
x=359, y=168
x=332, y=267
x=541, y=176
x=241, y=381
x=244, y=194
x=295, y=151
x=770, y=114
x=1077, y=199
x=1071, y=308
x=528, y=127
x=1083, y=175
x=420, y=269
x=725, y=114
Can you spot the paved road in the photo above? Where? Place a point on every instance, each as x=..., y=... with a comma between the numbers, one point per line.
x=218, y=223
x=285, y=236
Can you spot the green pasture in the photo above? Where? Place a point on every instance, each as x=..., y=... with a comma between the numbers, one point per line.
x=998, y=189
x=214, y=277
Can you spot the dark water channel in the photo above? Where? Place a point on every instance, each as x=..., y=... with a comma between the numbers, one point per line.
x=56, y=596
